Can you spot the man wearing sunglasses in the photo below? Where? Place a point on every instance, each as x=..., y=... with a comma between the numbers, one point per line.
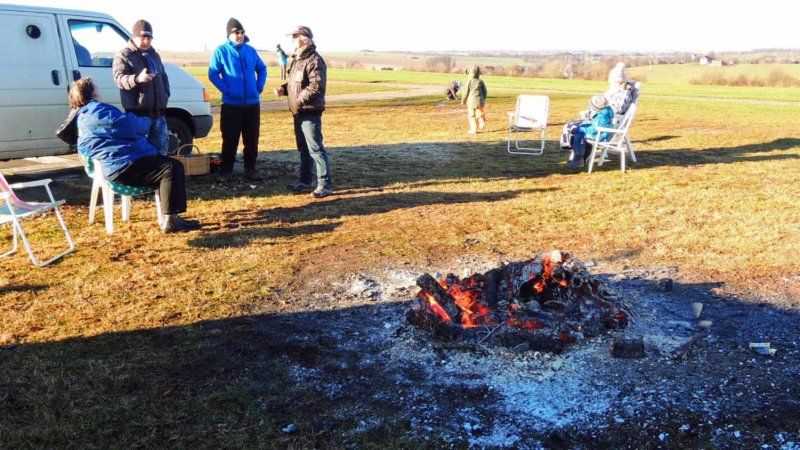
x=306, y=92
x=240, y=74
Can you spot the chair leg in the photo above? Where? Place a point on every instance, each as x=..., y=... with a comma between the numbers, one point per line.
x=125, y=202
x=29, y=249
x=108, y=209
x=630, y=148
x=93, y=201
x=603, y=156
x=622, y=160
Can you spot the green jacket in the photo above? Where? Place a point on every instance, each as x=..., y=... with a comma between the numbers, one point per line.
x=475, y=91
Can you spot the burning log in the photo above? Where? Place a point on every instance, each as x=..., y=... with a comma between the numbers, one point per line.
x=542, y=304
x=431, y=288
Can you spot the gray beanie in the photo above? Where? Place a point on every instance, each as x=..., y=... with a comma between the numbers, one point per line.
x=233, y=25
x=597, y=103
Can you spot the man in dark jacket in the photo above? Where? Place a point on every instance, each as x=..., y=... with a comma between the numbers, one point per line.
x=306, y=92
x=240, y=75
x=143, y=83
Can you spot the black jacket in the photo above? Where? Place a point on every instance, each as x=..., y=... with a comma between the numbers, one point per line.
x=146, y=99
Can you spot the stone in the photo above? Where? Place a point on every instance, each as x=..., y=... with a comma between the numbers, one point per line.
x=628, y=347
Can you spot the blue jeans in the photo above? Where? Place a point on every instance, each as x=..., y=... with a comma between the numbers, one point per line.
x=308, y=134
x=159, y=135
x=579, y=142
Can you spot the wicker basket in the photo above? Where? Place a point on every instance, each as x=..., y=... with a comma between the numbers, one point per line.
x=194, y=163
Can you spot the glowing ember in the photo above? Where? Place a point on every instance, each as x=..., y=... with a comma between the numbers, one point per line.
x=542, y=303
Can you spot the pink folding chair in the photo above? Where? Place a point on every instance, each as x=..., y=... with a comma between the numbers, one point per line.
x=14, y=211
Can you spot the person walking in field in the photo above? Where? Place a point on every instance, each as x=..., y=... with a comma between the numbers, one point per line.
x=306, y=92
x=282, y=60
x=240, y=74
x=143, y=83
x=474, y=95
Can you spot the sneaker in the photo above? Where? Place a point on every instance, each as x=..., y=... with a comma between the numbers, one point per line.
x=471, y=132
x=188, y=223
x=172, y=223
x=299, y=186
x=322, y=191
x=252, y=175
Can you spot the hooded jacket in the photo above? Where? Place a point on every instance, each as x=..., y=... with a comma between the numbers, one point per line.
x=114, y=138
x=145, y=99
x=602, y=119
x=238, y=72
x=475, y=92
x=307, y=81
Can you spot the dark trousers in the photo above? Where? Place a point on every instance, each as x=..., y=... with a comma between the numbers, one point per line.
x=308, y=134
x=238, y=120
x=162, y=173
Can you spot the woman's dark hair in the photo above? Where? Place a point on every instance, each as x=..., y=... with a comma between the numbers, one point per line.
x=81, y=92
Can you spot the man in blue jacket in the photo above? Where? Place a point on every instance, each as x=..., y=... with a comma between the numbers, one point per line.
x=240, y=74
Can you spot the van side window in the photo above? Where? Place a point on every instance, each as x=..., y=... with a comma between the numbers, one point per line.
x=95, y=43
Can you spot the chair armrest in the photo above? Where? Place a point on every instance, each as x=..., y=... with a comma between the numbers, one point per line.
x=28, y=184
x=609, y=130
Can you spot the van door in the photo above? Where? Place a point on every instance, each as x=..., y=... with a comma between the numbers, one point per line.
x=33, y=85
x=90, y=46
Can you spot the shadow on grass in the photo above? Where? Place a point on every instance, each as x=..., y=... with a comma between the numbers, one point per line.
x=23, y=288
x=721, y=155
x=247, y=225
x=238, y=382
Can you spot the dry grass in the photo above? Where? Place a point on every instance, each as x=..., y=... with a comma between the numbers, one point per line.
x=714, y=193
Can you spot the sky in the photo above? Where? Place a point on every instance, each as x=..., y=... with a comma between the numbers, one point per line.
x=464, y=25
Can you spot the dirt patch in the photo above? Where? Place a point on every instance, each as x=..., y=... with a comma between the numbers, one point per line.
x=696, y=387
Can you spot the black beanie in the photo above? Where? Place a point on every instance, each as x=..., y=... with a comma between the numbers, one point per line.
x=233, y=25
x=142, y=28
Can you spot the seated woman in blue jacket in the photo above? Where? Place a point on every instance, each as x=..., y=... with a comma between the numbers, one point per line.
x=601, y=115
x=119, y=142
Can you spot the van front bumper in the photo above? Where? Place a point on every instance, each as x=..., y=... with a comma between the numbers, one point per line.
x=202, y=125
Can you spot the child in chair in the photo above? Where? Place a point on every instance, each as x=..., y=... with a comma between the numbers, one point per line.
x=602, y=116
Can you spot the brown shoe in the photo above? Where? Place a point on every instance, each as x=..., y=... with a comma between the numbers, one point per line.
x=252, y=175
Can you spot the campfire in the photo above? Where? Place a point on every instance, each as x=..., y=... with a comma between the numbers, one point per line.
x=545, y=304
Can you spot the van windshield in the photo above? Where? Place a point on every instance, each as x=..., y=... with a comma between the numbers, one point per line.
x=95, y=43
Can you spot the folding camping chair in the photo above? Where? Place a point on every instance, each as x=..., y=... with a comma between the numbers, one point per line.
x=530, y=115
x=618, y=142
x=14, y=211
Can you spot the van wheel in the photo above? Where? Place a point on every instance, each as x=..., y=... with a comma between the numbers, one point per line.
x=179, y=134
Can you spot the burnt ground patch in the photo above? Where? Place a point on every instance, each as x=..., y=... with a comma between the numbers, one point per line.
x=355, y=375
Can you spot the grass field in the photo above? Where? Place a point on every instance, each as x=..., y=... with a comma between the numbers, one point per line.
x=139, y=339
x=273, y=81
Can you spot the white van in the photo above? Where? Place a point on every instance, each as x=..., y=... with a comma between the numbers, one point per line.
x=42, y=50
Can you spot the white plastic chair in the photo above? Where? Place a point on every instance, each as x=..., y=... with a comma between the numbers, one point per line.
x=109, y=188
x=618, y=142
x=530, y=115
x=13, y=210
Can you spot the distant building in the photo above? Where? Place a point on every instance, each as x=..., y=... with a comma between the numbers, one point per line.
x=705, y=60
